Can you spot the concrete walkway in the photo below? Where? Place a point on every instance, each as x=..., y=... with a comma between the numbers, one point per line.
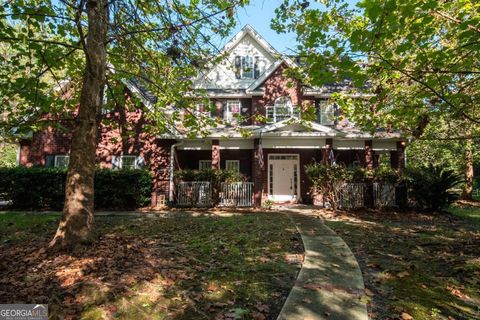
x=330, y=283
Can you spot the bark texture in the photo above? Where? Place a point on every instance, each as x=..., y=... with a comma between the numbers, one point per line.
x=76, y=224
x=467, y=193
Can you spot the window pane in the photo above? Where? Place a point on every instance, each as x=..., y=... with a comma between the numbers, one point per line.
x=283, y=109
x=232, y=165
x=327, y=113
x=269, y=114
x=128, y=162
x=61, y=161
x=233, y=109
x=204, y=164
x=247, y=67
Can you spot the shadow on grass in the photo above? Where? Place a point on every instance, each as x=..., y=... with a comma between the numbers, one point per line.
x=191, y=266
x=426, y=265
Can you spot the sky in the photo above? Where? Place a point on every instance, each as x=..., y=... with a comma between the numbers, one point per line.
x=259, y=13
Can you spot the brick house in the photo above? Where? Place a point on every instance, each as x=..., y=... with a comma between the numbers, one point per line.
x=250, y=81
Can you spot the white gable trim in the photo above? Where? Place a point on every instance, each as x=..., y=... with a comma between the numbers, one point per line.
x=284, y=123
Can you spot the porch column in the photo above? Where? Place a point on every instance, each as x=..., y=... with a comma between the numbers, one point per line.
x=215, y=154
x=400, y=155
x=368, y=154
x=326, y=150
x=257, y=174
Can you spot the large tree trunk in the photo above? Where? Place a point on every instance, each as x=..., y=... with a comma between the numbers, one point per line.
x=76, y=224
x=468, y=187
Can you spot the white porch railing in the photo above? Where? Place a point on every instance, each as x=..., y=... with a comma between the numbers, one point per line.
x=236, y=194
x=383, y=195
x=194, y=194
x=350, y=195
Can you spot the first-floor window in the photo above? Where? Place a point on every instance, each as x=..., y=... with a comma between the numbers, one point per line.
x=232, y=165
x=204, y=164
x=127, y=162
x=61, y=161
x=232, y=110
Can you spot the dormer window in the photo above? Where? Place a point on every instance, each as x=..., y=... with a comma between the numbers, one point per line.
x=281, y=110
x=248, y=67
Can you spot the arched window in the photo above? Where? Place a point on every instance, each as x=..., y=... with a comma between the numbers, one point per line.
x=281, y=110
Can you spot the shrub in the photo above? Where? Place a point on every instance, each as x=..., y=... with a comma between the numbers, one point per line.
x=326, y=178
x=40, y=188
x=429, y=186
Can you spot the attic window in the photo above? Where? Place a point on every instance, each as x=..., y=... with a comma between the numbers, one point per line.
x=248, y=67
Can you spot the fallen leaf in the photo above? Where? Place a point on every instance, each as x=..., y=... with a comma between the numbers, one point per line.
x=406, y=316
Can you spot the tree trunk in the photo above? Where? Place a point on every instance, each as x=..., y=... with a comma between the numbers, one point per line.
x=468, y=187
x=76, y=224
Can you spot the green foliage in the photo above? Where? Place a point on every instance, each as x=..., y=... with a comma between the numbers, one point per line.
x=44, y=188
x=8, y=154
x=43, y=58
x=430, y=186
x=418, y=59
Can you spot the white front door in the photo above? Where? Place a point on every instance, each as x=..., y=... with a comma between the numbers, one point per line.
x=283, y=177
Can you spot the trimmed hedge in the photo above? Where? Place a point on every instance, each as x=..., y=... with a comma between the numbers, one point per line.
x=41, y=188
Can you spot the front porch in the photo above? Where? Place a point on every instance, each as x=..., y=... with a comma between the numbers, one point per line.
x=276, y=165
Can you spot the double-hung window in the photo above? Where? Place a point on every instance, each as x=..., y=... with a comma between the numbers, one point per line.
x=281, y=110
x=232, y=110
x=232, y=165
x=326, y=113
x=127, y=162
x=249, y=67
x=61, y=161
x=204, y=164
x=202, y=109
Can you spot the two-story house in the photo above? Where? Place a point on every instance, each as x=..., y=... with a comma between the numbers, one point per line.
x=247, y=89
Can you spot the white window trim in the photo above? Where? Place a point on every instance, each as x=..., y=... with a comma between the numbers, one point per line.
x=237, y=165
x=204, y=161
x=135, y=158
x=291, y=111
x=62, y=156
x=230, y=116
x=321, y=106
x=202, y=105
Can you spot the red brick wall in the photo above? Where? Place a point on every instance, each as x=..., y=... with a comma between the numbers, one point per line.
x=125, y=133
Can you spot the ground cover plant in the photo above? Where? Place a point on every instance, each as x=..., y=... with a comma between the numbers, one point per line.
x=415, y=265
x=187, y=266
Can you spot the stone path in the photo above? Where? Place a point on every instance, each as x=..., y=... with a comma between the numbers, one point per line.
x=330, y=283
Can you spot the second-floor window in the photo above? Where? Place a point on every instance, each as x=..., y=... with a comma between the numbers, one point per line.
x=202, y=109
x=232, y=110
x=326, y=113
x=281, y=110
x=248, y=67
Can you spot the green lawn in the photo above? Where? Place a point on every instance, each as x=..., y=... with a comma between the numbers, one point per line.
x=419, y=265
x=187, y=266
